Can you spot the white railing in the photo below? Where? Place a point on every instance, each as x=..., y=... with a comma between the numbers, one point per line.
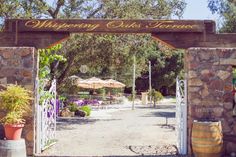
x=181, y=115
x=46, y=115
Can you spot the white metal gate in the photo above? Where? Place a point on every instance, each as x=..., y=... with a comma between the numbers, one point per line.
x=181, y=115
x=46, y=118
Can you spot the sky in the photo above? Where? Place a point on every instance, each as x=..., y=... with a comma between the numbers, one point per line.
x=198, y=10
x=195, y=9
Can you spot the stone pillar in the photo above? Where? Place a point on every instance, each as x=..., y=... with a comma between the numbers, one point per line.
x=19, y=65
x=209, y=73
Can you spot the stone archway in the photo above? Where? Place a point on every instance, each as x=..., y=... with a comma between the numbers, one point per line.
x=210, y=76
x=184, y=34
x=19, y=64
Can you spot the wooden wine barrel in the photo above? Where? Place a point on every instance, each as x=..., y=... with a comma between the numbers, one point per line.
x=12, y=148
x=207, y=139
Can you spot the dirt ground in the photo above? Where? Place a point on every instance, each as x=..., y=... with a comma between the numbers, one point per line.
x=118, y=131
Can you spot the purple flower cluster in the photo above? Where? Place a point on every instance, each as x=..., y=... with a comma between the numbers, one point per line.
x=51, y=108
x=87, y=102
x=79, y=102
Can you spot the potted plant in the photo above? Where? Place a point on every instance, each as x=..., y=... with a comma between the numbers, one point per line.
x=15, y=102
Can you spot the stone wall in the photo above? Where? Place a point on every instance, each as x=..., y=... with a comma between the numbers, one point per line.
x=209, y=73
x=19, y=65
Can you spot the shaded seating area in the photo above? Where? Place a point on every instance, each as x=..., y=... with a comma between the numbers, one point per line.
x=97, y=83
x=93, y=92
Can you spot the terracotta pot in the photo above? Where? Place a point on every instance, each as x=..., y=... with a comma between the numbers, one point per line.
x=13, y=131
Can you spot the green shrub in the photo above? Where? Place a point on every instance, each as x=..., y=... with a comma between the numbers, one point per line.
x=102, y=92
x=62, y=98
x=72, y=107
x=86, y=109
x=84, y=96
x=130, y=97
x=156, y=96
x=234, y=73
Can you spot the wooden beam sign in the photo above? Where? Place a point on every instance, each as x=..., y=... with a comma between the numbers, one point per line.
x=107, y=26
x=42, y=33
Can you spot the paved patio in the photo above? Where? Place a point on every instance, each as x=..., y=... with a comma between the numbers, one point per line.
x=118, y=131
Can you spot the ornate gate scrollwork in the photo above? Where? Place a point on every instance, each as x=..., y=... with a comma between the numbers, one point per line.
x=46, y=115
x=181, y=115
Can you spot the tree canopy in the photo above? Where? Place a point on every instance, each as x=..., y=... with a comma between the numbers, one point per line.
x=91, y=9
x=106, y=55
x=227, y=10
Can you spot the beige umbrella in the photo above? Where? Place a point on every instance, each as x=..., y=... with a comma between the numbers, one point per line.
x=74, y=79
x=92, y=83
x=110, y=83
x=82, y=83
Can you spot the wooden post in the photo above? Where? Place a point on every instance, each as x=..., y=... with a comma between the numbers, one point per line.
x=133, y=87
x=150, y=82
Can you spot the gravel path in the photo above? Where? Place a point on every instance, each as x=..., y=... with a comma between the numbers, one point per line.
x=117, y=132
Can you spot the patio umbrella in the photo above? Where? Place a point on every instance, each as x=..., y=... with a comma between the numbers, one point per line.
x=82, y=83
x=74, y=79
x=91, y=83
x=110, y=83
